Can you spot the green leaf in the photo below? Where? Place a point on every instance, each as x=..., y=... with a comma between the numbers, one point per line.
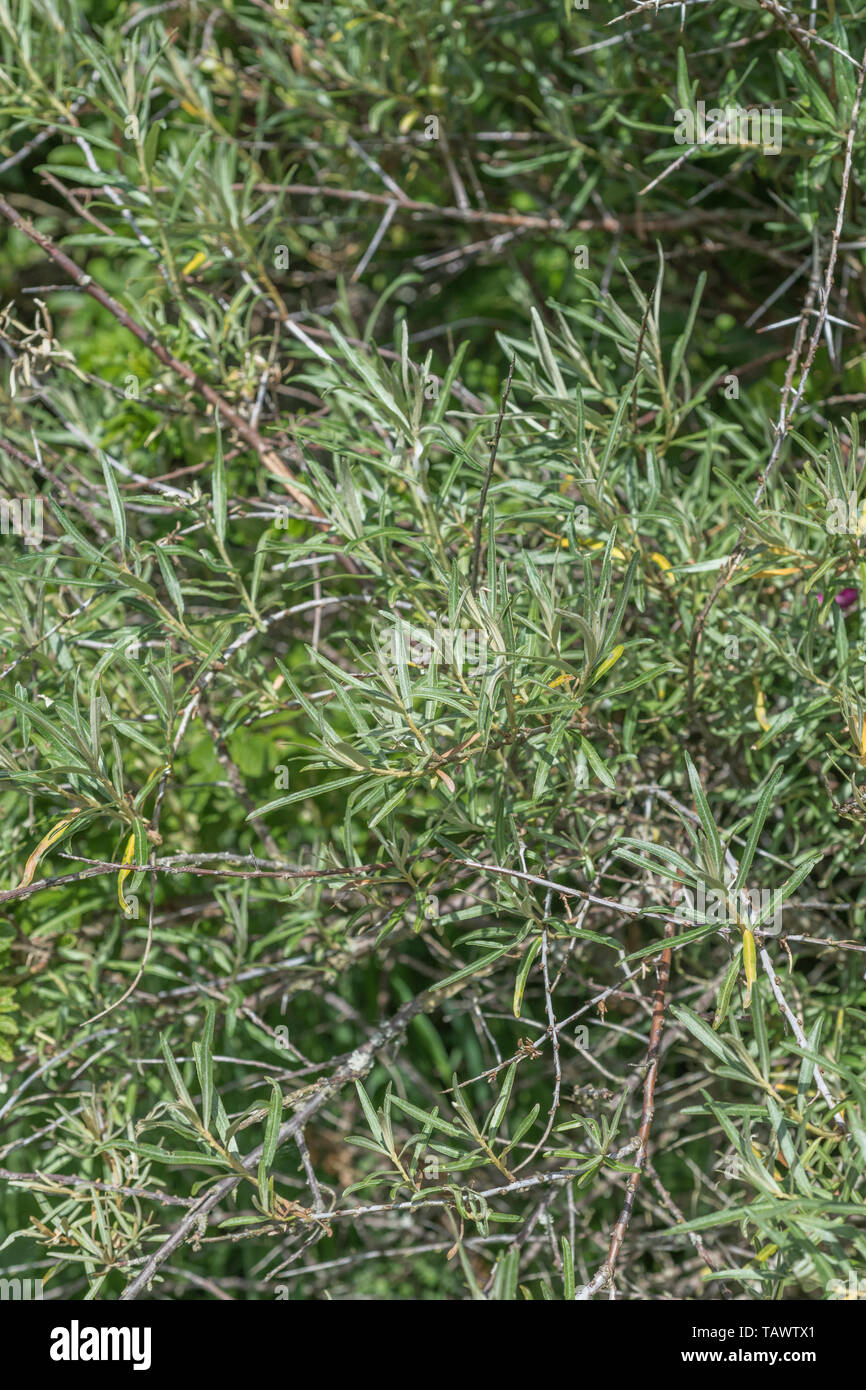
x=115, y=501
x=272, y=1135
x=724, y=997
x=203, y=1055
x=706, y=818
x=762, y=809
x=219, y=488
x=704, y=1035
x=177, y=1080
x=370, y=1113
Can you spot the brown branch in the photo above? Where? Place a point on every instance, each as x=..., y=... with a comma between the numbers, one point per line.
x=644, y=226
x=553, y=223
x=242, y=428
x=259, y=868
x=58, y=1184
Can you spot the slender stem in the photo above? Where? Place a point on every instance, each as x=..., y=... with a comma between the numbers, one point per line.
x=482, y=501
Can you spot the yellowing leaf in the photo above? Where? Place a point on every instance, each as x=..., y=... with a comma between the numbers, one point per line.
x=198, y=259
x=608, y=662
x=761, y=708
x=124, y=873
x=750, y=964
x=616, y=553
x=45, y=844
x=660, y=560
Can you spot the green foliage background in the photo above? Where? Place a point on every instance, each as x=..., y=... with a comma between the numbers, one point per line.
x=391, y=926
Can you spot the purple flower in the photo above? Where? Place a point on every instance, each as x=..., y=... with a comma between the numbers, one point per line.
x=846, y=598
